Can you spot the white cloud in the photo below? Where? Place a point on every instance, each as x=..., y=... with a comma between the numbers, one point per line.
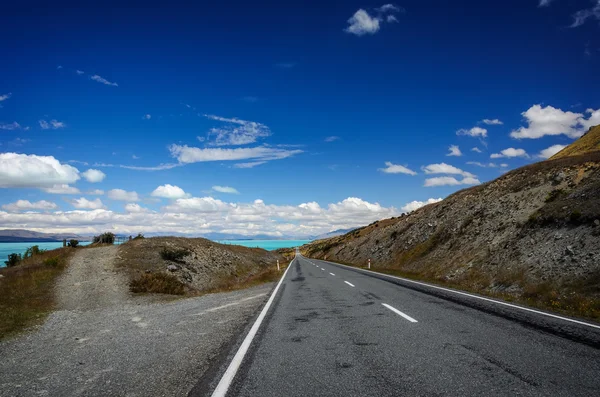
x=122, y=195
x=96, y=192
x=251, y=164
x=332, y=138
x=391, y=19
x=581, y=16
x=61, y=189
x=551, y=151
x=237, y=132
x=362, y=23
x=147, y=117
x=474, y=132
x=26, y=205
x=392, y=168
x=187, y=155
x=52, y=124
x=93, y=176
x=135, y=208
x=198, y=204
x=83, y=203
x=415, y=205
x=510, y=153
x=160, y=167
x=225, y=189
x=483, y=165
x=79, y=72
x=476, y=149
x=102, y=80
x=10, y=127
x=389, y=8
x=22, y=170
x=492, y=122
x=169, y=192
x=552, y=121
x=443, y=168
x=454, y=151
x=4, y=97
x=450, y=181
x=545, y=3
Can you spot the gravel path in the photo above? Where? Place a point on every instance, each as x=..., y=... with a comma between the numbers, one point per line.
x=105, y=342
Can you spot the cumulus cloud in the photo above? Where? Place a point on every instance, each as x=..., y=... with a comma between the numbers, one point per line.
x=543, y=121
x=4, y=97
x=510, y=153
x=450, y=181
x=443, y=168
x=51, y=125
x=492, y=122
x=415, y=205
x=392, y=168
x=454, y=151
x=122, y=195
x=225, y=189
x=389, y=8
x=83, y=203
x=477, y=132
x=10, y=127
x=96, y=192
x=362, y=23
x=135, y=208
x=102, y=80
x=236, y=132
x=61, y=189
x=551, y=151
x=169, y=191
x=26, y=205
x=476, y=149
x=22, y=170
x=186, y=155
x=93, y=176
x=483, y=165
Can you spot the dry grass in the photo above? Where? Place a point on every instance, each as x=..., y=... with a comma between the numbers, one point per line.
x=157, y=283
x=26, y=290
x=588, y=143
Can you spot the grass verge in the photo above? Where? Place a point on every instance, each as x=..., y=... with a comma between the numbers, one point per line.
x=26, y=290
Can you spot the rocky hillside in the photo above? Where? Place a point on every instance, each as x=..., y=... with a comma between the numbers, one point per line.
x=532, y=235
x=178, y=265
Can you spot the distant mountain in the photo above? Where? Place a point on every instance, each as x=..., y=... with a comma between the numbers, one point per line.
x=21, y=235
x=335, y=233
x=220, y=236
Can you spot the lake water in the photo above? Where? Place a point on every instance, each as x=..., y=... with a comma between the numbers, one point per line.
x=19, y=248
x=268, y=245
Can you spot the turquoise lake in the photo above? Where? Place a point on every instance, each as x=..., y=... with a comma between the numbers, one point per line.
x=269, y=245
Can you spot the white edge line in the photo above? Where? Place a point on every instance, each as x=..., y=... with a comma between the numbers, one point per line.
x=227, y=378
x=332, y=274
x=350, y=284
x=473, y=296
x=398, y=312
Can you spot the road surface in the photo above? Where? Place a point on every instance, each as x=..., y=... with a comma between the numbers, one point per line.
x=334, y=331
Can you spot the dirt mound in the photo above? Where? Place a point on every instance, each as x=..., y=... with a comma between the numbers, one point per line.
x=178, y=265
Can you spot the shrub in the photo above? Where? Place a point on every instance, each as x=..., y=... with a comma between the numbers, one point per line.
x=13, y=260
x=105, y=238
x=73, y=243
x=175, y=255
x=140, y=235
x=52, y=262
x=33, y=251
x=394, y=235
x=553, y=195
x=158, y=283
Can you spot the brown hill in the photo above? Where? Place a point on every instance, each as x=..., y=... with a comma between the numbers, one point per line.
x=532, y=235
x=589, y=142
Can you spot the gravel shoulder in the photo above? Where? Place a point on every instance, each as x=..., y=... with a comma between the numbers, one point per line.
x=103, y=341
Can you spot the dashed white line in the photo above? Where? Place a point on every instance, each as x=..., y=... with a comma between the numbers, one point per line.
x=398, y=312
x=332, y=274
x=350, y=284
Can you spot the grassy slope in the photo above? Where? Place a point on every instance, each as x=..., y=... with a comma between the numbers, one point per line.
x=588, y=143
x=27, y=290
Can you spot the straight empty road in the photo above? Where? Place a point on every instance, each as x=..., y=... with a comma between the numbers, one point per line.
x=335, y=331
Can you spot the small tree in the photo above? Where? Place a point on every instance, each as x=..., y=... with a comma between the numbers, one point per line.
x=73, y=243
x=33, y=251
x=13, y=260
x=105, y=238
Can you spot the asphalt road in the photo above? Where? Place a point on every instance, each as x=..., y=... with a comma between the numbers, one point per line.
x=334, y=331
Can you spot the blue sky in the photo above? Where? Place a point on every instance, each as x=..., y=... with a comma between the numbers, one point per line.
x=330, y=115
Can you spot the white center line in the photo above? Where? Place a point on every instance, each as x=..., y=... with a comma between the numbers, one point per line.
x=350, y=284
x=322, y=269
x=332, y=274
x=398, y=312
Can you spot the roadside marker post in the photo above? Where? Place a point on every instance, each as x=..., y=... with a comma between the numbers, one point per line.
x=277, y=264
x=369, y=263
